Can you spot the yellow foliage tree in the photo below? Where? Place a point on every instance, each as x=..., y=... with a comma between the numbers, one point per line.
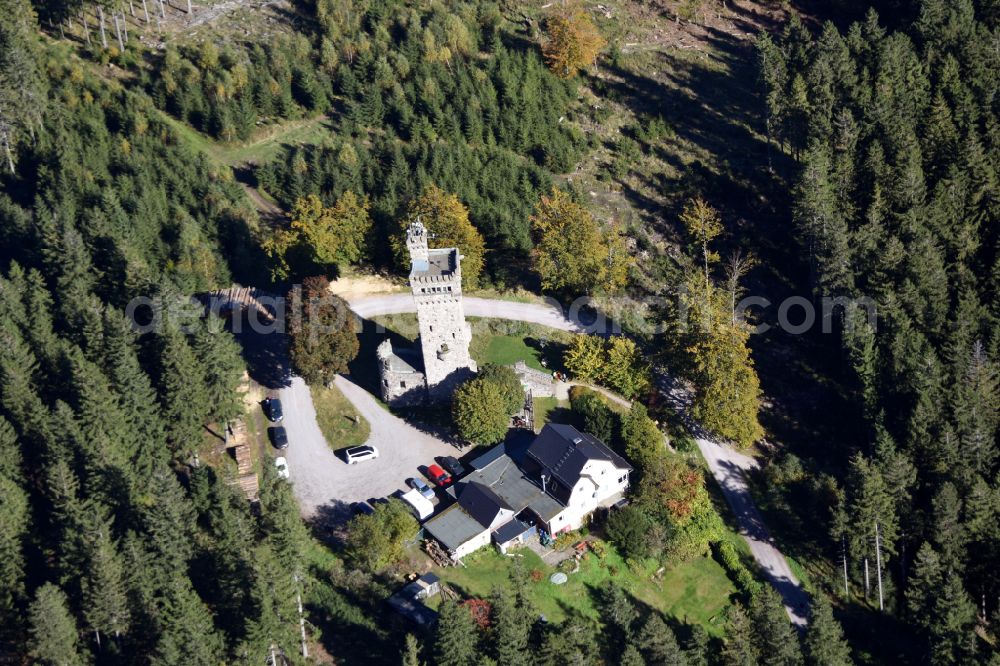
x=572, y=41
x=584, y=357
x=334, y=235
x=617, y=363
x=447, y=220
x=626, y=370
x=571, y=252
x=703, y=224
x=727, y=397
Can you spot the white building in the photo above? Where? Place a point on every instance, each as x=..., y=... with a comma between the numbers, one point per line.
x=564, y=476
x=578, y=470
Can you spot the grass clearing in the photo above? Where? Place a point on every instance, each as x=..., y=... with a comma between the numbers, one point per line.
x=340, y=423
x=696, y=591
x=264, y=145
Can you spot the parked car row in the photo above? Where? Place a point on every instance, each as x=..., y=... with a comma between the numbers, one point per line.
x=420, y=498
x=276, y=434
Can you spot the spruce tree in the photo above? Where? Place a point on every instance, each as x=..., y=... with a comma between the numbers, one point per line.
x=630, y=656
x=137, y=397
x=924, y=584
x=281, y=523
x=53, y=629
x=219, y=355
x=740, y=647
x=777, y=640
x=952, y=623
x=824, y=640
x=103, y=424
x=618, y=613
x=658, y=643
x=948, y=530
x=182, y=392
x=169, y=520
x=14, y=529
x=187, y=634
x=411, y=652
x=509, y=629
x=14, y=532
x=106, y=607
x=456, y=636
x=697, y=646
x=272, y=617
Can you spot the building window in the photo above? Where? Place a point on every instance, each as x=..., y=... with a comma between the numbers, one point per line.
x=402, y=384
x=623, y=478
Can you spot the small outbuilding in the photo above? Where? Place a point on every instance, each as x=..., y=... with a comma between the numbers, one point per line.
x=409, y=601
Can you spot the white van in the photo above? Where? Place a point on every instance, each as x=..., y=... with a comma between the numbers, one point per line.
x=422, y=507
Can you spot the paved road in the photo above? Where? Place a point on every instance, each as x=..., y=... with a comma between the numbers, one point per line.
x=552, y=315
x=728, y=466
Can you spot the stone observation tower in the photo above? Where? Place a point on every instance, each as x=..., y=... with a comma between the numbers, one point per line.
x=444, y=361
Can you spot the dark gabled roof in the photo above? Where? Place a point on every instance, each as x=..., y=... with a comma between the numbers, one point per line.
x=562, y=451
x=511, y=530
x=515, y=487
x=481, y=503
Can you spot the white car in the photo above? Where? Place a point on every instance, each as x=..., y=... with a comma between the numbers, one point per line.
x=357, y=454
x=281, y=465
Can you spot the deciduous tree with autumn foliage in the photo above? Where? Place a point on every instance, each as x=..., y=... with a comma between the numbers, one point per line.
x=322, y=235
x=572, y=253
x=447, y=220
x=572, y=40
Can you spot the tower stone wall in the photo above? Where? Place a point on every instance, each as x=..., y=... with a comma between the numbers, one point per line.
x=436, y=283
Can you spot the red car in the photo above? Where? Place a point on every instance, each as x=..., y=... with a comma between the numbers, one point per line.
x=438, y=475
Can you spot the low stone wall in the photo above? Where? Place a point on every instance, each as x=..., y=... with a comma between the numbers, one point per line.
x=541, y=384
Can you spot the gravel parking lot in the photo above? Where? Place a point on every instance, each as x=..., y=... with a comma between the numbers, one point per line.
x=324, y=484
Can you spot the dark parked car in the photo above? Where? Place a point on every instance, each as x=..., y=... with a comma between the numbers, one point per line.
x=438, y=475
x=278, y=437
x=362, y=507
x=451, y=464
x=272, y=408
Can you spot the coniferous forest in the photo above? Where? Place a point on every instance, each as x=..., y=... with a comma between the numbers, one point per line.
x=675, y=156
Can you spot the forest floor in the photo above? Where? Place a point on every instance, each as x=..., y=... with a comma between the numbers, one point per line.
x=208, y=19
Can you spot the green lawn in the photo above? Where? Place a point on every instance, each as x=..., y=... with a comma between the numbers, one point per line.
x=506, y=343
x=340, y=422
x=551, y=410
x=508, y=350
x=696, y=591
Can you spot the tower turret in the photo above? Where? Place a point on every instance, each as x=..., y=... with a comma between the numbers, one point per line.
x=416, y=243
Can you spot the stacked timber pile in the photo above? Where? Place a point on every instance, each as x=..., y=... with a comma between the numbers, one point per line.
x=238, y=446
x=438, y=554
